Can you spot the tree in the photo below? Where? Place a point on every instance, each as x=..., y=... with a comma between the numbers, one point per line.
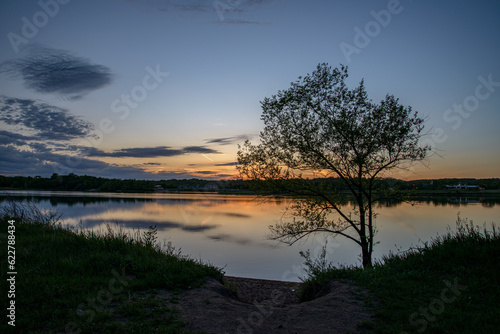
x=317, y=129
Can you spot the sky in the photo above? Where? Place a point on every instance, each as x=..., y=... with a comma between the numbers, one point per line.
x=162, y=89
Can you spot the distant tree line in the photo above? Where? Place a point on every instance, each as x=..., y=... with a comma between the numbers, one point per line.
x=73, y=182
x=442, y=184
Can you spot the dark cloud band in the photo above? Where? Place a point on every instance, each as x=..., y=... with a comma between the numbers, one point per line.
x=151, y=152
x=48, y=121
x=57, y=71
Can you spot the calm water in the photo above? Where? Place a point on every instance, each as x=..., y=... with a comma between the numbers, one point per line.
x=230, y=230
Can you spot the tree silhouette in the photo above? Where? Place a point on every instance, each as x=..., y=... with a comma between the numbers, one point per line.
x=318, y=128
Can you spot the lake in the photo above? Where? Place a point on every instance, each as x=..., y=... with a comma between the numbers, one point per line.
x=230, y=230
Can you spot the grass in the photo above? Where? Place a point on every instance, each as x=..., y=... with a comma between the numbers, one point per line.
x=106, y=282
x=93, y=282
x=449, y=285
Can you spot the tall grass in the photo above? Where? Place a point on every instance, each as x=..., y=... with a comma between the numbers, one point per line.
x=404, y=286
x=61, y=271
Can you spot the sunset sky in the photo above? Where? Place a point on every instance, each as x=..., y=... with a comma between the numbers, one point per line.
x=160, y=89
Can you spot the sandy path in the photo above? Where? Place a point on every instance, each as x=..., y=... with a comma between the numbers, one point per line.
x=216, y=309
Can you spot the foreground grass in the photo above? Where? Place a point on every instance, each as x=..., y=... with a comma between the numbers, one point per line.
x=450, y=285
x=87, y=282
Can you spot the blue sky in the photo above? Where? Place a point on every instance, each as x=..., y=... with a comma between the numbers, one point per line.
x=156, y=89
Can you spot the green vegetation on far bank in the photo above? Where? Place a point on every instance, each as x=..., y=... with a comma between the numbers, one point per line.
x=87, y=282
x=73, y=182
x=449, y=285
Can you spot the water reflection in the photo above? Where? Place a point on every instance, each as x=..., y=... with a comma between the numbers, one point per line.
x=145, y=224
x=230, y=230
x=69, y=201
x=446, y=201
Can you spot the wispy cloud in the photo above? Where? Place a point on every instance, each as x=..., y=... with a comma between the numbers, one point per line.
x=227, y=164
x=206, y=172
x=228, y=140
x=151, y=152
x=47, y=121
x=37, y=139
x=240, y=22
x=224, y=175
x=12, y=138
x=228, y=8
x=48, y=70
x=193, y=6
x=42, y=161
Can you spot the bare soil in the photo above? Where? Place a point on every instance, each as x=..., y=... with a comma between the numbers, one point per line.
x=243, y=306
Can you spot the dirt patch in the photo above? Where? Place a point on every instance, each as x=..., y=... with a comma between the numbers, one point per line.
x=261, y=306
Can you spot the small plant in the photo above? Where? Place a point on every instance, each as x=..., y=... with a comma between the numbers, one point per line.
x=318, y=265
x=149, y=237
x=29, y=212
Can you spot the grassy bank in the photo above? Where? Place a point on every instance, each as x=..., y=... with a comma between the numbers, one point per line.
x=87, y=282
x=449, y=285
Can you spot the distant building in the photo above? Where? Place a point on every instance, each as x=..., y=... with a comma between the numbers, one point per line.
x=159, y=188
x=463, y=187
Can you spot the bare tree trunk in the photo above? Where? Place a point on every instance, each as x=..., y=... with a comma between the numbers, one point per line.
x=366, y=254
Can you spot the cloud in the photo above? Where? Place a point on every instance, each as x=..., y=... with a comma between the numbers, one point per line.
x=48, y=70
x=239, y=22
x=48, y=121
x=225, y=175
x=211, y=6
x=12, y=138
x=206, y=172
x=162, y=175
x=218, y=8
x=44, y=159
x=213, y=174
x=236, y=215
x=227, y=164
x=194, y=6
x=41, y=160
x=42, y=156
x=228, y=140
x=14, y=159
x=150, y=152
